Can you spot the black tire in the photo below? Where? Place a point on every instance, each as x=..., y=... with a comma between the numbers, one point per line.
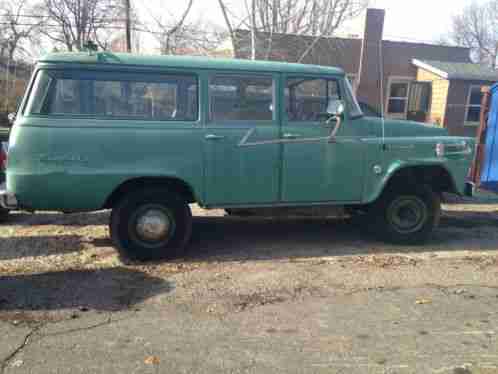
x=406, y=216
x=4, y=215
x=239, y=212
x=172, y=225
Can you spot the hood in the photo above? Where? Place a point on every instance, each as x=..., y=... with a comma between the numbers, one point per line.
x=402, y=128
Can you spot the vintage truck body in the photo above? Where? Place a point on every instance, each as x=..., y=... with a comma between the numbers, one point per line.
x=96, y=129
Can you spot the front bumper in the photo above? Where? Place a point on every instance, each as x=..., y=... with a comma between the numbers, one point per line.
x=7, y=200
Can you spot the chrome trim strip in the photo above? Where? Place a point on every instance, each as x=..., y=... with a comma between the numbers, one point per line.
x=244, y=142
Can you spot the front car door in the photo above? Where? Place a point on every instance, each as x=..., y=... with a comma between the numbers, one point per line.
x=241, y=109
x=320, y=171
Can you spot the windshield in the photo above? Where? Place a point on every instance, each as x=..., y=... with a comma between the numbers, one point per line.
x=354, y=107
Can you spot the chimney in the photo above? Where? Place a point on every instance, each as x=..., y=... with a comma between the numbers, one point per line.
x=368, y=89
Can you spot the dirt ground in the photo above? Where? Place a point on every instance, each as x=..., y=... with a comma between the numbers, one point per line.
x=60, y=269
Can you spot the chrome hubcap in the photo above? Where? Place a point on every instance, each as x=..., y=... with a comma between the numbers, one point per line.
x=153, y=225
x=407, y=214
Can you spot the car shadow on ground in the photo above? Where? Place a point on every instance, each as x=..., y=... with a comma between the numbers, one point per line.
x=110, y=289
x=38, y=245
x=59, y=219
x=235, y=239
x=228, y=238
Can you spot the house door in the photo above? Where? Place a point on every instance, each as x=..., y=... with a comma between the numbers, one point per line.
x=315, y=169
x=419, y=101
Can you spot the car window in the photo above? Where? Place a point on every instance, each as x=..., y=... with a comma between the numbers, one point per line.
x=368, y=111
x=354, y=108
x=153, y=97
x=39, y=92
x=241, y=98
x=307, y=98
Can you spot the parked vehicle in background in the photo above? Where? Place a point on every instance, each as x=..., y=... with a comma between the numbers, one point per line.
x=147, y=136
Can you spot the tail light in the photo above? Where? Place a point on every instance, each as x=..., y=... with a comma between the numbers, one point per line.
x=3, y=156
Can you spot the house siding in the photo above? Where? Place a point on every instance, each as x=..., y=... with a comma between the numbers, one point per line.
x=398, y=57
x=456, y=107
x=346, y=53
x=440, y=88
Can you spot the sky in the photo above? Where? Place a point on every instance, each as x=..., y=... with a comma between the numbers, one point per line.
x=419, y=20
x=410, y=20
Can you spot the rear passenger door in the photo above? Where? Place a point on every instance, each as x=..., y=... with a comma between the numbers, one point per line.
x=241, y=168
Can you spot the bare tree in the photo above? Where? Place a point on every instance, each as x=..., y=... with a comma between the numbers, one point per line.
x=16, y=31
x=170, y=32
x=177, y=35
x=477, y=28
x=17, y=34
x=310, y=18
x=74, y=22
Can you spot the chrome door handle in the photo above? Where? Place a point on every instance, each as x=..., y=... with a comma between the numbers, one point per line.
x=213, y=137
x=291, y=136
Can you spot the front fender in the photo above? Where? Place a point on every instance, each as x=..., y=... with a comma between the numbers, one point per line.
x=377, y=185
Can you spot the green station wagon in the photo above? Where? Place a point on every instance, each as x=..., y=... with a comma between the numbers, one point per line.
x=147, y=136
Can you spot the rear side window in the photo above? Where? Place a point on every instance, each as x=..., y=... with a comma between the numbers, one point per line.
x=241, y=98
x=142, y=96
x=308, y=98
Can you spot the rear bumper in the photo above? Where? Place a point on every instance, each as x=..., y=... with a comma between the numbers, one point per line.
x=7, y=200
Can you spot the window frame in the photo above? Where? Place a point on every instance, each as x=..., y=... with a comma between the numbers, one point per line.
x=139, y=76
x=398, y=80
x=288, y=77
x=468, y=105
x=227, y=74
x=352, y=77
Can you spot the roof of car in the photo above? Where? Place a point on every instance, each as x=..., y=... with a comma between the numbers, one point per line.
x=187, y=61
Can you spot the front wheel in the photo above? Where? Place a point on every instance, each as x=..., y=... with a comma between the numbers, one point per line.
x=407, y=215
x=151, y=224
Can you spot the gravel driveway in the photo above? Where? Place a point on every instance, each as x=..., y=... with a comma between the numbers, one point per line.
x=57, y=268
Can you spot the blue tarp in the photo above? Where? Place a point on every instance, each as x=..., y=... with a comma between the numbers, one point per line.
x=489, y=171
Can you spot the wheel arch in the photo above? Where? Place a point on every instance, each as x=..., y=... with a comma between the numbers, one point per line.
x=130, y=185
x=436, y=176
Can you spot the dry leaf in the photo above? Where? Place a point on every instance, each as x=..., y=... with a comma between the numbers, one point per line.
x=17, y=364
x=152, y=360
x=423, y=301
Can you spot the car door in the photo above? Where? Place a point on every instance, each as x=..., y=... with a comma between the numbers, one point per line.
x=241, y=109
x=317, y=171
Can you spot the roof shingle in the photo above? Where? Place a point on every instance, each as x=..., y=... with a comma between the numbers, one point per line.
x=458, y=70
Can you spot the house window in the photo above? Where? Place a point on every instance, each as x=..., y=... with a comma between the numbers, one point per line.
x=473, y=108
x=397, y=104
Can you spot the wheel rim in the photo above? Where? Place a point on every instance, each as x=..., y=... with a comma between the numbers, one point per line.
x=407, y=214
x=152, y=226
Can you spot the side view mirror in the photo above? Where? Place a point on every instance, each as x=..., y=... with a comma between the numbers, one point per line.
x=335, y=108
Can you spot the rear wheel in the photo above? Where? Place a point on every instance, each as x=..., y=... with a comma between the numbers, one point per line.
x=151, y=224
x=406, y=215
